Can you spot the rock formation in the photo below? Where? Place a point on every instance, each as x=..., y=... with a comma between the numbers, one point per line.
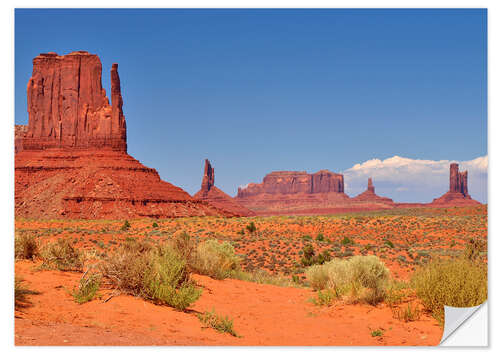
x=298, y=192
x=68, y=107
x=370, y=196
x=72, y=159
x=293, y=182
x=458, y=194
x=213, y=195
x=19, y=135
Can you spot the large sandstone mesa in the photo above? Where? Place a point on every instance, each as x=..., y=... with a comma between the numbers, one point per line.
x=68, y=107
x=216, y=197
x=71, y=160
x=370, y=196
x=458, y=194
x=299, y=192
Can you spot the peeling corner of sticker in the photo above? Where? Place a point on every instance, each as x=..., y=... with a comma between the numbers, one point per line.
x=454, y=317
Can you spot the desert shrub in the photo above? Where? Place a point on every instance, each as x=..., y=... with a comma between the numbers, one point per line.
x=347, y=241
x=25, y=246
x=365, y=277
x=158, y=274
x=217, y=260
x=308, y=255
x=371, y=273
x=251, y=227
x=474, y=250
x=377, y=333
x=21, y=293
x=167, y=280
x=222, y=324
x=184, y=245
x=87, y=288
x=458, y=282
x=155, y=225
x=126, y=226
x=324, y=298
x=320, y=237
x=61, y=255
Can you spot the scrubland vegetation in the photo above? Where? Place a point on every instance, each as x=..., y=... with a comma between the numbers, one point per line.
x=353, y=259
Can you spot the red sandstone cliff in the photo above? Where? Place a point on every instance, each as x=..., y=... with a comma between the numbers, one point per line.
x=458, y=194
x=370, y=196
x=298, y=192
x=68, y=107
x=72, y=160
x=19, y=135
x=210, y=193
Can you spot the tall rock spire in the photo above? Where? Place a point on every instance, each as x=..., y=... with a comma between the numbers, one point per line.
x=208, y=177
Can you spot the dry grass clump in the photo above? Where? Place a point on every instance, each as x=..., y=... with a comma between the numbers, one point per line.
x=364, y=277
x=263, y=277
x=222, y=324
x=87, y=288
x=217, y=260
x=25, y=246
x=156, y=273
x=454, y=282
x=61, y=255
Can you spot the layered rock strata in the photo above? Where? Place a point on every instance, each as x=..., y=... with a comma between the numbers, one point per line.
x=72, y=159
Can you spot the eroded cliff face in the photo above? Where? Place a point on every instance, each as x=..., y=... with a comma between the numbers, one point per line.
x=71, y=159
x=216, y=197
x=68, y=107
x=293, y=182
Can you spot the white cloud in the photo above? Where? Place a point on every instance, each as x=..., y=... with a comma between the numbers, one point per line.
x=407, y=180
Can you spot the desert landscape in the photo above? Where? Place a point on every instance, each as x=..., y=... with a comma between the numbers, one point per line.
x=108, y=253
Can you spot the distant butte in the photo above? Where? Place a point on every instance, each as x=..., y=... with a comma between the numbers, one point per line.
x=458, y=194
x=71, y=159
x=299, y=192
x=370, y=196
x=216, y=197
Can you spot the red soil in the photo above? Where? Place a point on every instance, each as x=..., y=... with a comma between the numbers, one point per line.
x=263, y=315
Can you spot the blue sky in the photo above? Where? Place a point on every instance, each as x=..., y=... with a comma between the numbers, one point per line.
x=262, y=90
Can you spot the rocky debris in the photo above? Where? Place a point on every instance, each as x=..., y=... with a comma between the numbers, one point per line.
x=216, y=197
x=458, y=194
x=370, y=196
x=68, y=107
x=71, y=160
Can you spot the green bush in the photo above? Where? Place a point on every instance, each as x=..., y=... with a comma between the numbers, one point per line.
x=158, y=274
x=325, y=298
x=87, y=288
x=61, y=255
x=126, y=226
x=251, y=228
x=263, y=277
x=365, y=277
x=167, y=280
x=25, y=246
x=456, y=282
x=217, y=260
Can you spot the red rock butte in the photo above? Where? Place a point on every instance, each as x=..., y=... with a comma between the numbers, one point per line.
x=370, y=196
x=71, y=160
x=216, y=197
x=458, y=194
x=299, y=192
